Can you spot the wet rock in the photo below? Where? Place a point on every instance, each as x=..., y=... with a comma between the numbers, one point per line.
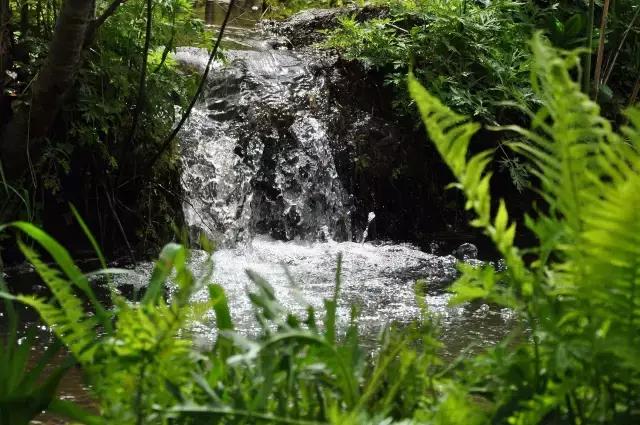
x=193, y=59
x=278, y=43
x=466, y=251
x=304, y=129
x=305, y=28
x=259, y=151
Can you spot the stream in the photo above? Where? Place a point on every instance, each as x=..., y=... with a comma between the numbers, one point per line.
x=263, y=177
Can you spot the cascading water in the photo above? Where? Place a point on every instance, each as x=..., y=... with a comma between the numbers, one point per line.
x=261, y=178
x=257, y=152
x=370, y=218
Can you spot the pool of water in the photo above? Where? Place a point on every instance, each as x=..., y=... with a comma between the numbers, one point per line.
x=378, y=278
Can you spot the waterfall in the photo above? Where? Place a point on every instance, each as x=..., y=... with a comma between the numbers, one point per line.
x=266, y=163
x=258, y=151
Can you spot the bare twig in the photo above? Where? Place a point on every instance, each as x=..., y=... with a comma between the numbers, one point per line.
x=586, y=84
x=185, y=200
x=624, y=38
x=98, y=22
x=167, y=142
x=600, y=57
x=120, y=226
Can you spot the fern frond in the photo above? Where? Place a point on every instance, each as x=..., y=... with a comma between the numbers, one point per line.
x=584, y=312
x=65, y=263
x=79, y=337
x=451, y=133
x=590, y=181
x=632, y=131
x=611, y=235
x=61, y=289
x=566, y=139
x=68, y=318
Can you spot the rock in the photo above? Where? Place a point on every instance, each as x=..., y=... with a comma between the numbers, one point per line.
x=260, y=150
x=305, y=28
x=466, y=251
x=305, y=131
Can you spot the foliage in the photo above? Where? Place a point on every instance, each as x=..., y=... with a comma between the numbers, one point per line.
x=294, y=371
x=99, y=117
x=142, y=372
x=621, y=40
x=577, y=288
x=573, y=361
x=470, y=55
x=123, y=104
x=25, y=390
x=285, y=8
x=473, y=55
x=107, y=87
x=569, y=26
x=130, y=352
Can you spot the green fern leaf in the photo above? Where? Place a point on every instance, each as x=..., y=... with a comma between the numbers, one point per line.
x=611, y=236
x=452, y=133
x=68, y=319
x=566, y=140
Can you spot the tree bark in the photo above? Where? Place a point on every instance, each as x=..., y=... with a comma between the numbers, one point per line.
x=23, y=137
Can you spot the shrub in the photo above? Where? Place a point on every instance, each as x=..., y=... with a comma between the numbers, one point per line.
x=119, y=108
x=471, y=56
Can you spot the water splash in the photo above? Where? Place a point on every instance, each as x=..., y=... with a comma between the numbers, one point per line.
x=261, y=177
x=377, y=278
x=370, y=218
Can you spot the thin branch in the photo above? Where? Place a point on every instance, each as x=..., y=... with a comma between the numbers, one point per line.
x=169, y=45
x=586, y=84
x=167, y=142
x=185, y=200
x=142, y=85
x=120, y=226
x=601, y=43
x=98, y=22
x=624, y=38
x=107, y=13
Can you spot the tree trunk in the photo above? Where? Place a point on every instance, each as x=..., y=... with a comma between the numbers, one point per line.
x=23, y=137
